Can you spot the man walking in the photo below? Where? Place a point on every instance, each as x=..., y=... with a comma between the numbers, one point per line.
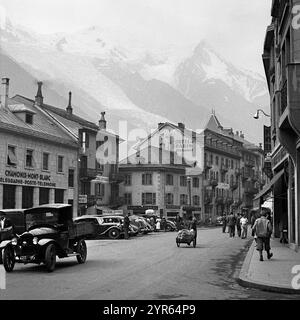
x=263, y=230
x=244, y=226
x=231, y=225
x=224, y=220
x=238, y=225
x=126, y=227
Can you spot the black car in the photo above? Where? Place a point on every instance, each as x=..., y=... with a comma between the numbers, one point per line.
x=50, y=233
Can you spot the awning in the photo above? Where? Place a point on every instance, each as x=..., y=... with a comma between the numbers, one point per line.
x=267, y=188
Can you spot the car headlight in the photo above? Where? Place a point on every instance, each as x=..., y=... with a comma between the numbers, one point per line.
x=14, y=241
x=35, y=240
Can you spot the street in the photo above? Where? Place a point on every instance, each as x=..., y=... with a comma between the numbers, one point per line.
x=149, y=267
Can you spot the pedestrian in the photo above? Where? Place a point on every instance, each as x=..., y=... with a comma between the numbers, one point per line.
x=231, y=225
x=238, y=225
x=244, y=226
x=263, y=230
x=283, y=229
x=6, y=227
x=193, y=226
x=224, y=220
x=126, y=224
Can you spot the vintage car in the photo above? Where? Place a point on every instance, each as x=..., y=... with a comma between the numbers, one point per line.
x=50, y=233
x=107, y=226
x=16, y=217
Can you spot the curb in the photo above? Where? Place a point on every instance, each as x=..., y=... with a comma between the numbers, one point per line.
x=244, y=281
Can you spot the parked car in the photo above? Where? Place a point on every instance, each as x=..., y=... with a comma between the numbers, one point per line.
x=16, y=217
x=107, y=226
x=50, y=233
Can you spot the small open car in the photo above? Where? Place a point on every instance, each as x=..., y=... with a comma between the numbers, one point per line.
x=186, y=236
x=50, y=233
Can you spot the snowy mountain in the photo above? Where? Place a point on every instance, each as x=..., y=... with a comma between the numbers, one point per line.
x=143, y=86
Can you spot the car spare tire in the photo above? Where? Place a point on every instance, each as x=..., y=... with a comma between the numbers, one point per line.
x=114, y=234
x=81, y=249
x=8, y=258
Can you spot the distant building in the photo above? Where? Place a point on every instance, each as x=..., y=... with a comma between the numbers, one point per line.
x=203, y=174
x=281, y=58
x=38, y=159
x=98, y=183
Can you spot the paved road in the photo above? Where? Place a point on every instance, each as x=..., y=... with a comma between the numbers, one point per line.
x=149, y=267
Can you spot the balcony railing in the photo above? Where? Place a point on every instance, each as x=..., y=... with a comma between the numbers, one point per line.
x=116, y=178
x=86, y=173
x=283, y=98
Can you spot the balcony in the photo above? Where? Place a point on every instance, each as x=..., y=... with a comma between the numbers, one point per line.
x=250, y=163
x=234, y=186
x=208, y=165
x=116, y=178
x=283, y=98
x=213, y=183
x=87, y=174
x=224, y=168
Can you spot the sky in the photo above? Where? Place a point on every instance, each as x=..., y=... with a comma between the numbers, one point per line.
x=235, y=28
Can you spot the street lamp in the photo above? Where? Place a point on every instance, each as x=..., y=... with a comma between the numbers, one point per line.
x=256, y=116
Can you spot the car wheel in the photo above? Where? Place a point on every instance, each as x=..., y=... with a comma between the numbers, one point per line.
x=114, y=234
x=82, y=250
x=8, y=259
x=50, y=257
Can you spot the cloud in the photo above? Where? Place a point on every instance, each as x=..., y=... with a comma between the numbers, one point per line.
x=235, y=27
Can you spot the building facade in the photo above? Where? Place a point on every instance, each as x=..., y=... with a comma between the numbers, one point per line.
x=203, y=174
x=281, y=58
x=98, y=180
x=38, y=160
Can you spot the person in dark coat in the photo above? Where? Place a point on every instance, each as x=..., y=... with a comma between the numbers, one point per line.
x=224, y=220
x=193, y=226
x=238, y=225
x=231, y=225
x=126, y=225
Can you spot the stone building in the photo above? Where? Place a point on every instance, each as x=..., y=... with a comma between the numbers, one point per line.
x=38, y=160
x=281, y=58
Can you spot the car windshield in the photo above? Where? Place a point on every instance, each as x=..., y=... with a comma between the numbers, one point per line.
x=40, y=218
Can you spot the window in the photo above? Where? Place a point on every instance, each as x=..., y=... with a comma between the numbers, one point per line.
x=232, y=166
x=9, y=196
x=100, y=190
x=11, y=156
x=29, y=158
x=169, y=180
x=196, y=200
x=183, y=199
x=149, y=199
x=59, y=196
x=27, y=197
x=211, y=159
x=183, y=181
x=29, y=118
x=128, y=180
x=217, y=161
x=44, y=196
x=71, y=178
x=60, y=164
x=169, y=198
x=196, y=183
x=147, y=179
x=46, y=161
x=128, y=199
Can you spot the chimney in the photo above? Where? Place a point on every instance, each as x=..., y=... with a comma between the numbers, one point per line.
x=242, y=135
x=237, y=133
x=181, y=126
x=39, y=96
x=69, y=108
x=4, y=92
x=102, y=122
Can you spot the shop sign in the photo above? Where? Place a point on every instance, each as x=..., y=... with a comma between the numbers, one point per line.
x=27, y=179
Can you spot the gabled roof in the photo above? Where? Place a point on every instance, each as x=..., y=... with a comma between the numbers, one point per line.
x=42, y=126
x=213, y=124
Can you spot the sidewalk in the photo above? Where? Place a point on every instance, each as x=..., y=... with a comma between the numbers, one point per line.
x=270, y=275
